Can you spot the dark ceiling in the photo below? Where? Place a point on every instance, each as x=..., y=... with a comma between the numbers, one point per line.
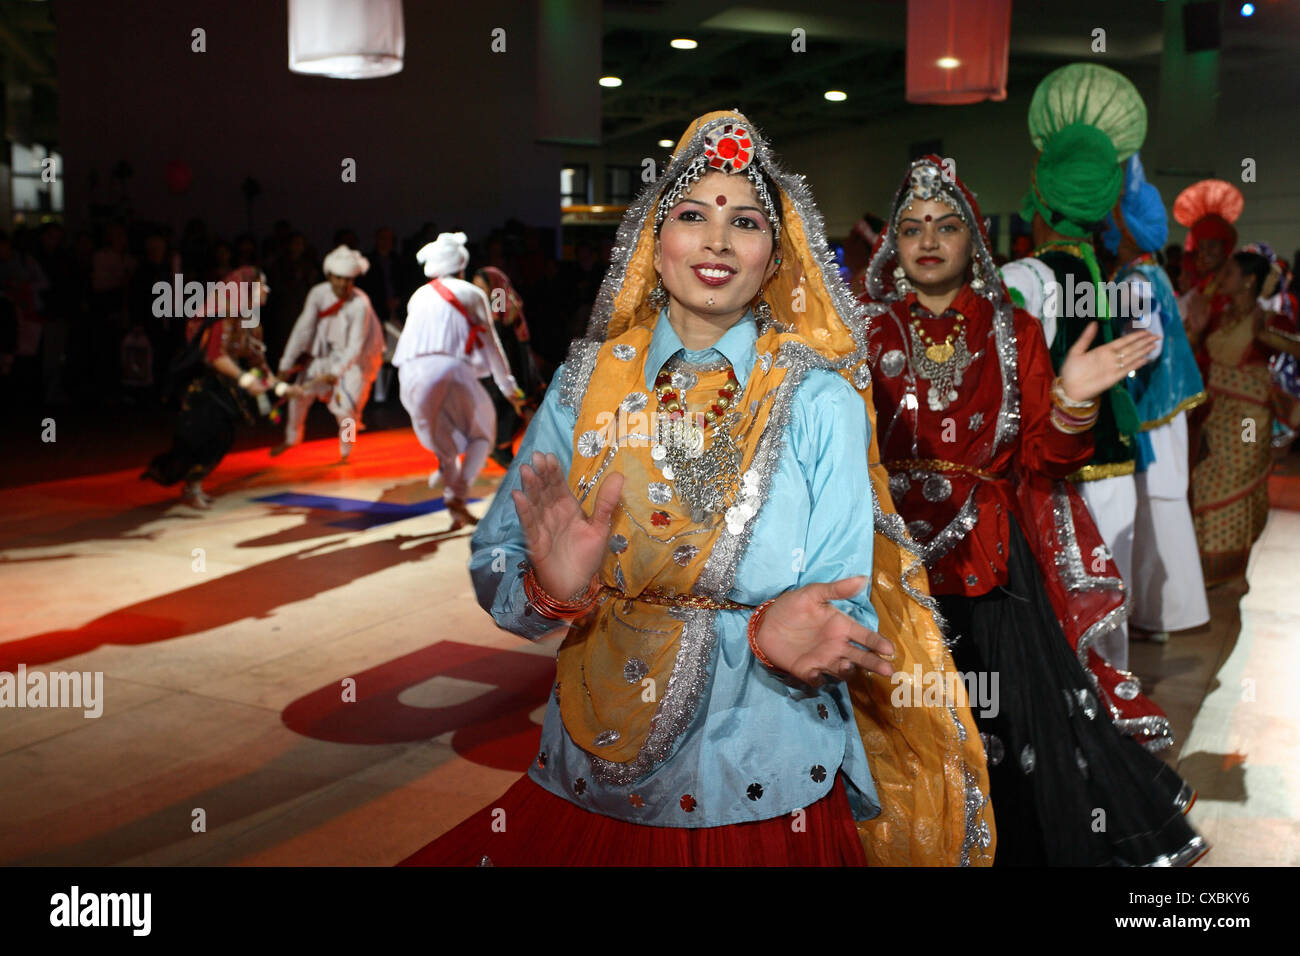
x=744, y=58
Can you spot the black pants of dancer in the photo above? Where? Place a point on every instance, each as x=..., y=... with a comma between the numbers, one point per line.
x=1067, y=788
x=211, y=411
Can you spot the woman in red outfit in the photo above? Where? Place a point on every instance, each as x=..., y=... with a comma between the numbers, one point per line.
x=975, y=430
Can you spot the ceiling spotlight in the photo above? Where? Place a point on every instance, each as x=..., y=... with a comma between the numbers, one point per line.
x=683, y=43
x=610, y=81
x=948, y=62
x=666, y=143
x=836, y=96
x=1247, y=9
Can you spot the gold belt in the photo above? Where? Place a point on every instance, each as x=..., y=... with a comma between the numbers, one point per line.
x=664, y=598
x=938, y=464
x=1099, y=472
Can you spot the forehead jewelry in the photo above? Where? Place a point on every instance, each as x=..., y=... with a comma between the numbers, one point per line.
x=728, y=147
x=927, y=183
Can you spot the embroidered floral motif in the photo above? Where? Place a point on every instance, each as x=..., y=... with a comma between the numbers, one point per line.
x=688, y=803
x=635, y=800
x=660, y=519
x=818, y=773
x=755, y=791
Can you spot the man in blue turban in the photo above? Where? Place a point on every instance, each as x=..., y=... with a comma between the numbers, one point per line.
x=1167, y=588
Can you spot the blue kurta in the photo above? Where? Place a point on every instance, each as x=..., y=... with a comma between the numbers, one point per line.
x=1167, y=385
x=756, y=748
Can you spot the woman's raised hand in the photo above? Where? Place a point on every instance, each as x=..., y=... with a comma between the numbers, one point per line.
x=564, y=544
x=1087, y=373
x=809, y=638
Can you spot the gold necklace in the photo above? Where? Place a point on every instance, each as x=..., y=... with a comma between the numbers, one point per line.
x=938, y=352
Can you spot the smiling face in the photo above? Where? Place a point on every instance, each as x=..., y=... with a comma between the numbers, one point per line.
x=934, y=245
x=716, y=247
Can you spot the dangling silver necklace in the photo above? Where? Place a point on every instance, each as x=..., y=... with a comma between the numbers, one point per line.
x=941, y=364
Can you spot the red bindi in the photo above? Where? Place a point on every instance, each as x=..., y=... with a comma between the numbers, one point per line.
x=721, y=200
x=928, y=218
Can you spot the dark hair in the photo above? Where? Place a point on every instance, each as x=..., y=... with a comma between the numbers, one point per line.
x=1255, y=266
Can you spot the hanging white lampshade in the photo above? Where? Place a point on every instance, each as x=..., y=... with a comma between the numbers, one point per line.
x=346, y=39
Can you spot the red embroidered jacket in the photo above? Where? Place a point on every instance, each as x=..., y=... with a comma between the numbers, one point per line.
x=953, y=470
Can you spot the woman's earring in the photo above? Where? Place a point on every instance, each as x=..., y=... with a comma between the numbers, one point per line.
x=901, y=285
x=762, y=311
x=658, y=295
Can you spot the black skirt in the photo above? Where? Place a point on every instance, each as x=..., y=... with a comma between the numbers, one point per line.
x=211, y=411
x=1068, y=789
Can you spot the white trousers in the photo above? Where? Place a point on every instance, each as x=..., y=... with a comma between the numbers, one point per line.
x=346, y=400
x=1168, y=587
x=1113, y=503
x=452, y=416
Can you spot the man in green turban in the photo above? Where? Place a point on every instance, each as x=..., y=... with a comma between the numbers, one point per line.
x=1085, y=120
x=1076, y=181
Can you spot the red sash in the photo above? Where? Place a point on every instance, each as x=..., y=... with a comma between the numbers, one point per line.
x=472, y=342
x=326, y=313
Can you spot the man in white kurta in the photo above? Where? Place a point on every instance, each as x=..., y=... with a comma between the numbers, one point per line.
x=448, y=335
x=342, y=340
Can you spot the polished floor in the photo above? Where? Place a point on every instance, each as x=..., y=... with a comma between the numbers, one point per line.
x=302, y=675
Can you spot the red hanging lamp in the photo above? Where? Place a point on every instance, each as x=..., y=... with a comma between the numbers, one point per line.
x=957, y=50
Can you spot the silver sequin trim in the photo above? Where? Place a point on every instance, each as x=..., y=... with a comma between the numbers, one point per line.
x=617, y=543
x=607, y=737
x=977, y=832
x=684, y=379
x=624, y=352
x=920, y=529
x=1127, y=689
x=683, y=554
x=892, y=362
x=590, y=443
x=862, y=376
x=635, y=402
x=659, y=492
x=943, y=542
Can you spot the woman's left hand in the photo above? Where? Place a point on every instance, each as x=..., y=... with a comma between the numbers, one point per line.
x=1087, y=373
x=807, y=637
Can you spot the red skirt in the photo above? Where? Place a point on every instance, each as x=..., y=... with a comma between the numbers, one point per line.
x=541, y=829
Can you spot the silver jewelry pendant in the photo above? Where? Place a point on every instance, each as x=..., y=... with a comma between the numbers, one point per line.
x=763, y=312
x=658, y=296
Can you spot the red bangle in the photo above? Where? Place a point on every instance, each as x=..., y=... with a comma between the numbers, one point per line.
x=755, y=622
x=548, y=606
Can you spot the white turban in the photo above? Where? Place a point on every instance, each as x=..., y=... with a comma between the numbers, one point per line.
x=445, y=256
x=346, y=262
